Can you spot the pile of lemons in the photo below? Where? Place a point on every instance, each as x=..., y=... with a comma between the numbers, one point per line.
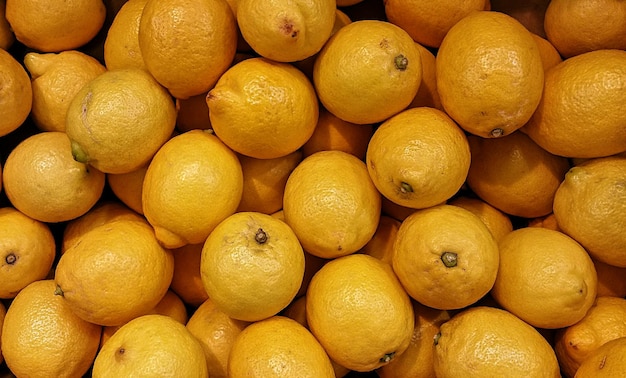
x=324, y=188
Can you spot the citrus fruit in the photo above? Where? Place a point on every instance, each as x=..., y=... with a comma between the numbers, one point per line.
x=445, y=257
x=264, y=181
x=192, y=183
x=128, y=187
x=216, y=332
x=41, y=335
x=252, y=265
x=381, y=244
x=496, y=221
x=187, y=44
x=3, y=312
x=27, y=251
x=514, y=174
x=331, y=204
x=55, y=27
x=151, y=345
x=427, y=94
x=427, y=22
x=16, y=94
x=606, y=361
x=561, y=122
x=590, y=206
x=611, y=280
x=118, y=121
x=186, y=280
x=101, y=213
x=333, y=133
x=42, y=180
x=278, y=347
x=417, y=359
x=530, y=13
x=56, y=78
x=576, y=27
x=7, y=38
x=488, y=341
x=392, y=74
x=349, y=301
x=121, y=45
x=286, y=31
x=545, y=277
x=489, y=74
x=114, y=273
x=602, y=323
x=418, y=158
x=263, y=109
x=550, y=56
x=170, y=305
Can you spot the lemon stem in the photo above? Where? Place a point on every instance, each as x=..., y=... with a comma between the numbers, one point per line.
x=436, y=338
x=401, y=62
x=405, y=187
x=497, y=132
x=387, y=357
x=10, y=258
x=58, y=291
x=78, y=153
x=260, y=236
x=449, y=259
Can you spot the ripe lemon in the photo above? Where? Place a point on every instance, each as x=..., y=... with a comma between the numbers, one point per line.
x=118, y=121
x=263, y=109
x=576, y=27
x=427, y=94
x=121, y=45
x=264, y=181
x=333, y=133
x=27, y=251
x=151, y=345
x=55, y=27
x=531, y=13
x=42, y=180
x=445, y=257
x=561, y=122
x=192, y=183
x=372, y=54
x=606, y=361
x=427, y=22
x=331, y=204
x=187, y=44
x=16, y=94
x=3, y=312
x=278, y=347
x=56, y=78
x=418, y=158
x=489, y=74
x=611, y=280
x=417, y=360
x=590, y=206
x=252, y=265
x=514, y=174
x=491, y=342
x=496, y=221
x=114, y=273
x=186, y=280
x=358, y=310
x=170, y=305
x=381, y=244
x=602, y=323
x=193, y=113
x=545, y=278
x=101, y=213
x=286, y=31
x=128, y=187
x=7, y=38
x=550, y=56
x=216, y=332
x=42, y=336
